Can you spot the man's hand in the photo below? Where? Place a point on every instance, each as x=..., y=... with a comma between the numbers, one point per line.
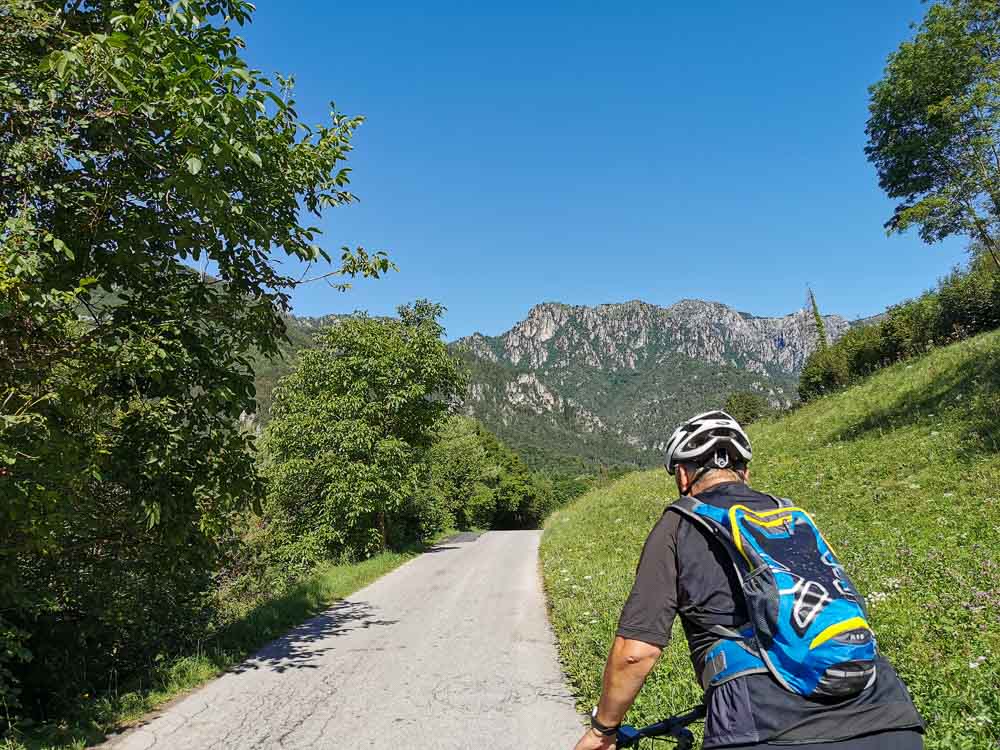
x=592, y=740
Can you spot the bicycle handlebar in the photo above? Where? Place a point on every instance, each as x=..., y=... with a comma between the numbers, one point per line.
x=675, y=726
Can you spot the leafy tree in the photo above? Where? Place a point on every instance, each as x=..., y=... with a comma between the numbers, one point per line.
x=746, y=406
x=347, y=433
x=462, y=476
x=135, y=142
x=474, y=480
x=934, y=129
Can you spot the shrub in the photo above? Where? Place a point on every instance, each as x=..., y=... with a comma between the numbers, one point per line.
x=117, y=600
x=746, y=406
x=826, y=370
x=966, y=302
x=865, y=348
x=969, y=302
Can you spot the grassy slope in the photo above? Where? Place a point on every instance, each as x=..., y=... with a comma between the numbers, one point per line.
x=246, y=634
x=903, y=474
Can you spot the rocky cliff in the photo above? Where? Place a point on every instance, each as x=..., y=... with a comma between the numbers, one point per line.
x=621, y=375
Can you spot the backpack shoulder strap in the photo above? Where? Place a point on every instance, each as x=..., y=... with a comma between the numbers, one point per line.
x=782, y=502
x=689, y=508
x=686, y=506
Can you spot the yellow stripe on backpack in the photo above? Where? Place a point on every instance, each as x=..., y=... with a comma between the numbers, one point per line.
x=836, y=629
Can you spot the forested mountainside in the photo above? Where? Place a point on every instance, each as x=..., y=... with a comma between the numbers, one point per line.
x=575, y=387
x=606, y=384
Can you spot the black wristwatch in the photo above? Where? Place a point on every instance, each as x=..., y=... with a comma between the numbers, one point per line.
x=599, y=727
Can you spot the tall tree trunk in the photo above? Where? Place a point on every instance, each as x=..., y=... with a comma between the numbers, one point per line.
x=988, y=242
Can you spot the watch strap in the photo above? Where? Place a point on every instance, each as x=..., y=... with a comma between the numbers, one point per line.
x=600, y=728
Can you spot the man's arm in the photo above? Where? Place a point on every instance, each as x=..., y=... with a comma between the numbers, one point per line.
x=628, y=664
x=643, y=629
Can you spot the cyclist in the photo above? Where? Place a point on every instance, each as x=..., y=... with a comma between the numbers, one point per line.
x=684, y=571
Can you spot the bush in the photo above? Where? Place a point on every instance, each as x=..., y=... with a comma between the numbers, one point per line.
x=826, y=370
x=865, y=348
x=911, y=328
x=969, y=302
x=965, y=303
x=746, y=406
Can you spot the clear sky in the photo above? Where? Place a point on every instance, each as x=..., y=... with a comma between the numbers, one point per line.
x=590, y=152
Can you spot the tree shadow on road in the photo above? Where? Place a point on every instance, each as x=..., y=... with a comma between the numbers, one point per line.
x=302, y=646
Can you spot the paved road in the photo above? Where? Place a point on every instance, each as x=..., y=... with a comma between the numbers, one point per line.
x=452, y=650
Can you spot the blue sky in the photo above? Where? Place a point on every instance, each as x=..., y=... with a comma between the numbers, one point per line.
x=590, y=152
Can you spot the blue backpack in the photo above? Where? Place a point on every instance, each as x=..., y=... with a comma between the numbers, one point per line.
x=808, y=626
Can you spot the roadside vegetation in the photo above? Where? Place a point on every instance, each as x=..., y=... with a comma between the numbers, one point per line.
x=362, y=466
x=149, y=534
x=901, y=472
x=965, y=303
x=242, y=625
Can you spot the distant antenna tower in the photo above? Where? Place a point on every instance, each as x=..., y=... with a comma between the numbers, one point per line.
x=821, y=341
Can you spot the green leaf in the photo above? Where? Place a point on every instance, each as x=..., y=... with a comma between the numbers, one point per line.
x=193, y=164
x=243, y=74
x=118, y=82
x=61, y=247
x=119, y=40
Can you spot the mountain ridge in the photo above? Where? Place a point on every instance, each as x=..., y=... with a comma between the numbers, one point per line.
x=574, y=387
x=624, y=373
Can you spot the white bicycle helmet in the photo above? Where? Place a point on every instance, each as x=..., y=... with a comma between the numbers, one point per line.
x=712, y=440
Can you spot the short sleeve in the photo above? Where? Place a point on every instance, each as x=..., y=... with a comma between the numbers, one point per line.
x=649, y=611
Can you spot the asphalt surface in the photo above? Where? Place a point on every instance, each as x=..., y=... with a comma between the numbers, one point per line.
x=451, y=650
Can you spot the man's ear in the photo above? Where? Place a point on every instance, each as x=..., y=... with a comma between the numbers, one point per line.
x=681, y=475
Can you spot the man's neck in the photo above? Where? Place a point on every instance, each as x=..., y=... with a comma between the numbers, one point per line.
x=716, y=478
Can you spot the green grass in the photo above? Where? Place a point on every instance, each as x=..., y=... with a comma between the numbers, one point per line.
x=902, y=472
x=96, y=716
